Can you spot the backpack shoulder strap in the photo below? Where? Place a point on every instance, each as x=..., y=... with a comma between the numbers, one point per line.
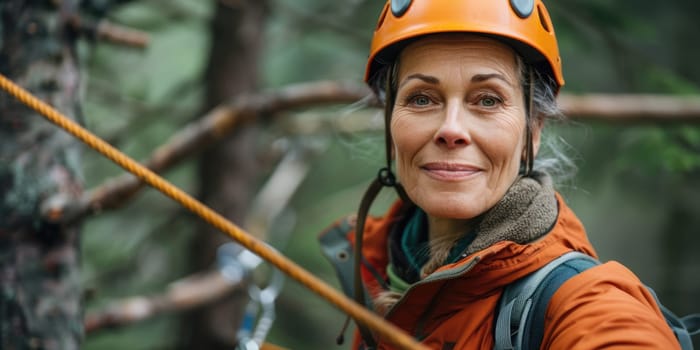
x=521, y=310
x=338, y=250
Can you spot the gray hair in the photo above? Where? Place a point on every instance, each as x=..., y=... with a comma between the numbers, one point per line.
x=552, y=157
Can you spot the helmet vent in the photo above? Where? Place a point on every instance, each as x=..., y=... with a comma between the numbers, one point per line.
x=523, y=8
x=399, y=7
x=544, y=18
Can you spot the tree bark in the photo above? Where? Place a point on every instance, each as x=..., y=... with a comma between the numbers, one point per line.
x=39, y=262
x=229, y=172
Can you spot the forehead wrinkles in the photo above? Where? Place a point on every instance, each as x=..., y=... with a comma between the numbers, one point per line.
x=458, y=52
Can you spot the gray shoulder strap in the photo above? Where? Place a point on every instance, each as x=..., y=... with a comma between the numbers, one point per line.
x=338, y=250
x=517, y=301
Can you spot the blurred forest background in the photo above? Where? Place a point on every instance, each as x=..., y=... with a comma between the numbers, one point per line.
x=637, y=187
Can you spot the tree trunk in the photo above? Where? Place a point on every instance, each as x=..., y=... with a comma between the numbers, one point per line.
x=229, y=173
x=39, y=261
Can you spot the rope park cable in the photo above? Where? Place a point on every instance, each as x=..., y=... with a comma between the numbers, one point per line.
x=383, y=328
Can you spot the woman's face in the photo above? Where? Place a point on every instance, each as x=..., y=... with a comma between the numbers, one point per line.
x=458, y=124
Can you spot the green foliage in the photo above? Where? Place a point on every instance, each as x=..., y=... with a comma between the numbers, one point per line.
x=655, y=150
x=669, y=81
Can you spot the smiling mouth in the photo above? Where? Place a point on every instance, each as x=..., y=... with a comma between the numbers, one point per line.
x=450, y=171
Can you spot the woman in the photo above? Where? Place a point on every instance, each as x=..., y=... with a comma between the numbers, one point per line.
x=467, y=86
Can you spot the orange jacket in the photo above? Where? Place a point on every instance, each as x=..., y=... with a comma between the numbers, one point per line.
x=603, y=307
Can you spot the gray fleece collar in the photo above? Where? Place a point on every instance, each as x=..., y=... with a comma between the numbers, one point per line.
x=525, y=213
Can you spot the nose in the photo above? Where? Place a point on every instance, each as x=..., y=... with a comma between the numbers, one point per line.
x=453, y=131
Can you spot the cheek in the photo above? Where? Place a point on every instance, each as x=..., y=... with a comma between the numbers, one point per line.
x=502, y=144
x=505, y=141
x=403, y=137
x=407, y=142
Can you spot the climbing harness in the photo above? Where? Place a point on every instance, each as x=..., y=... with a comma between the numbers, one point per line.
x=380, y=326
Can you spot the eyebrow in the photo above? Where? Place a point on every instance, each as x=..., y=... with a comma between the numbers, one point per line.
x=426, y=78
x=478, y=78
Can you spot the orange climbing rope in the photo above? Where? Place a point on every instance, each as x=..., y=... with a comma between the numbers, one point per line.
x=384, y=329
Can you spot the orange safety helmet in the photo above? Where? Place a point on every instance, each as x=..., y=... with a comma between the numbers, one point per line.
x=522, y=24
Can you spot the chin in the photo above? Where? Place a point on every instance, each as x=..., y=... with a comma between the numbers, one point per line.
x=451, y=206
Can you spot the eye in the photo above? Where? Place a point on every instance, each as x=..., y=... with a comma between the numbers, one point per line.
x=489, y=101
x=420, y=100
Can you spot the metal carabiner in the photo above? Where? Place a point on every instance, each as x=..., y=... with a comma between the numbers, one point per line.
x=237, y=264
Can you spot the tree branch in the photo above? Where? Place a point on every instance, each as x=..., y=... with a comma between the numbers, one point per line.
x=205, y=131
x=188, y=293
x=629, y=108
x=118, y=34
x=105, y=30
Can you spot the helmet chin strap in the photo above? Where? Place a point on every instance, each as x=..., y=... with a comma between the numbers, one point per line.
x=359, y=292
x=385, y=178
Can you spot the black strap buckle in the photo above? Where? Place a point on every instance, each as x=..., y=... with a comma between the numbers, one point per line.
x=386, y=177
